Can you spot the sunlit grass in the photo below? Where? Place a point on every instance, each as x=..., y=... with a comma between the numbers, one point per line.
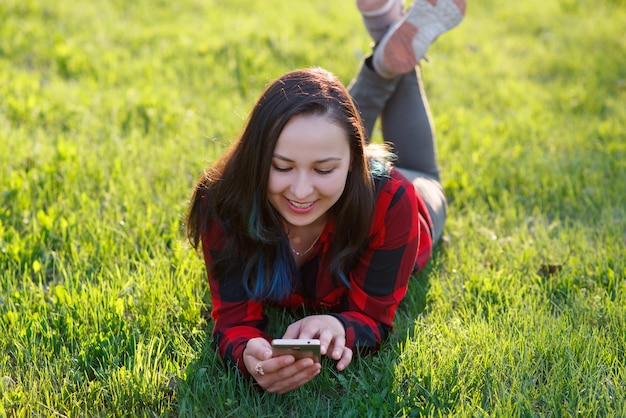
x=110, y=110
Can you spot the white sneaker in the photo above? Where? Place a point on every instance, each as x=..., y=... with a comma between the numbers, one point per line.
x=406, y=42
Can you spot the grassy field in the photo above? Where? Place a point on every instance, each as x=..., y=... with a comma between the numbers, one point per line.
x=109, y=110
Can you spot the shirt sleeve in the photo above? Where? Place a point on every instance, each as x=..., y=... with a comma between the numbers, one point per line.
x=237, y=317
x=380, y=278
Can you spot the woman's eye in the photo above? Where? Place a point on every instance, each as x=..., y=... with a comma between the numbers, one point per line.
x=282, y=169
x=327, y=171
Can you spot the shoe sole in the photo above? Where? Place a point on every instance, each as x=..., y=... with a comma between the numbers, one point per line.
x=407, y=42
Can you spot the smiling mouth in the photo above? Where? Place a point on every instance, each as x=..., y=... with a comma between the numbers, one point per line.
x=300, y=205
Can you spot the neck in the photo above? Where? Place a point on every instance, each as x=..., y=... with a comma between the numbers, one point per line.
x=302, y=239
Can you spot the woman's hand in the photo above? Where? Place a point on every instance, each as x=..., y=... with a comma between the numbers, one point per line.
x=277, y=374
x=331, y=333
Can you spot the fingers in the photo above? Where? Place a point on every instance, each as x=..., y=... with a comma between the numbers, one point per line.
x=258, y=348
x=315, y=326
x=293, y=330
x=283, y=374
x=328, y=339
x=331, y=333
x=345, y=359
x=339, y=352
x=273, y=365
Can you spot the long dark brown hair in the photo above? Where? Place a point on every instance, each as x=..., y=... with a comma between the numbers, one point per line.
x=234, y=190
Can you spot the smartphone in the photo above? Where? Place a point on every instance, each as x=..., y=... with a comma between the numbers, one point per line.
x=297, y=348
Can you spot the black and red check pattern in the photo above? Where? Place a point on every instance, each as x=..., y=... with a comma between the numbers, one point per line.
x=400, y=243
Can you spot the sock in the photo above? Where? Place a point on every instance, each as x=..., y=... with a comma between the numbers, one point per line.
x=378, y=21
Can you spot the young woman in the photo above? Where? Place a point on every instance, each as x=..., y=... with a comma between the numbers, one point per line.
x=301, y=213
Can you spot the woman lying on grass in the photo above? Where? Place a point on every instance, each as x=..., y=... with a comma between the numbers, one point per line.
x=301, y=213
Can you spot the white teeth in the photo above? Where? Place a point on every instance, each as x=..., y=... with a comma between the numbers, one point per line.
x=301, y=205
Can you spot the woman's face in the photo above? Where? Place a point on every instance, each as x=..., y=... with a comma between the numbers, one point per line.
x=309, y=168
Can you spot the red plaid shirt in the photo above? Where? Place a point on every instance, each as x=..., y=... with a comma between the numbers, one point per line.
x=400, y=243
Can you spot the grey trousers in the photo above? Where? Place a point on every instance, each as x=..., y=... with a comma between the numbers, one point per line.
x=407, y=126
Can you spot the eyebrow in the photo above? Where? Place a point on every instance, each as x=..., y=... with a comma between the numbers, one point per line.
x=323, y=160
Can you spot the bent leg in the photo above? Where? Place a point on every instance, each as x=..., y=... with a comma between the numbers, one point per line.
x=370, y=93
x=407, y=124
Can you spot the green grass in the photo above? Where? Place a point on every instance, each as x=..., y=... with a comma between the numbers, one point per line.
x=109, y=110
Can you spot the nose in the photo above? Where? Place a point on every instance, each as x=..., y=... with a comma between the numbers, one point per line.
x=302, y=186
